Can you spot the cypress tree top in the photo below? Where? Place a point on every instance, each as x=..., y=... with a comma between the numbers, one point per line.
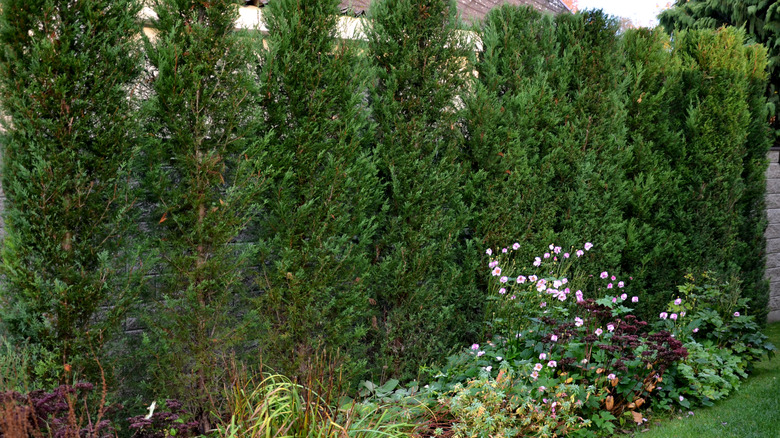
x=759, y=18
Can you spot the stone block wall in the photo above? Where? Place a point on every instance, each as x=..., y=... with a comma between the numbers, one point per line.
x=773, y=233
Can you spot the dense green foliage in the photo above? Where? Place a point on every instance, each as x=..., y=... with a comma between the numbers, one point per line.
x=587, y=368
x=699, y=161
x=654, y=242
x=202, y=173
x=318, y=228
x=752, y=412
x=305, y=194
x=584, y=135
x=722, y=159
x=424, y=283
x=68, y=75
x=759, y=18
x=547, y=126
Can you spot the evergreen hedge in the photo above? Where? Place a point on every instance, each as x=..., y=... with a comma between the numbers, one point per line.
x=319, y=194
x=424, y=280
x=202, y=170
x=759, y=18
x=580, y=134
x=724, y=158
x=68, y=74
x=317, y=232
x=654, y=242
x=548, y=131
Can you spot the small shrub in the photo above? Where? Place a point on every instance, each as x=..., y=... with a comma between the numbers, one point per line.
x=514, y=404
x=551, y=287
x=710, y=373
x=563, y=337
x=708, y=309
x=723, y=341
x=615, y=354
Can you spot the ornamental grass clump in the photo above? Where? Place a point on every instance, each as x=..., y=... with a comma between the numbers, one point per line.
x=276, y=406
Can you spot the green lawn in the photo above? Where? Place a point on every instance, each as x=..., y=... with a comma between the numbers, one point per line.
x=754, y=411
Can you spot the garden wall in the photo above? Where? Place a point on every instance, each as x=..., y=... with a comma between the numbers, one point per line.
x=773, y=233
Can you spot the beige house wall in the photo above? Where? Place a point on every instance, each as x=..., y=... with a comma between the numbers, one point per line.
x=349, y=28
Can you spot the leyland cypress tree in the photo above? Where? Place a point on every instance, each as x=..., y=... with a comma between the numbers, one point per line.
x=655, y=244
x=759, y=18
x=68, y=72
x=422, y=66
x=721, y=172
x=753, y=221
x=514, y=119
x=203, y=176
x=597, y=189
x=551, y=140
x=320, y=222
x=760, y=21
